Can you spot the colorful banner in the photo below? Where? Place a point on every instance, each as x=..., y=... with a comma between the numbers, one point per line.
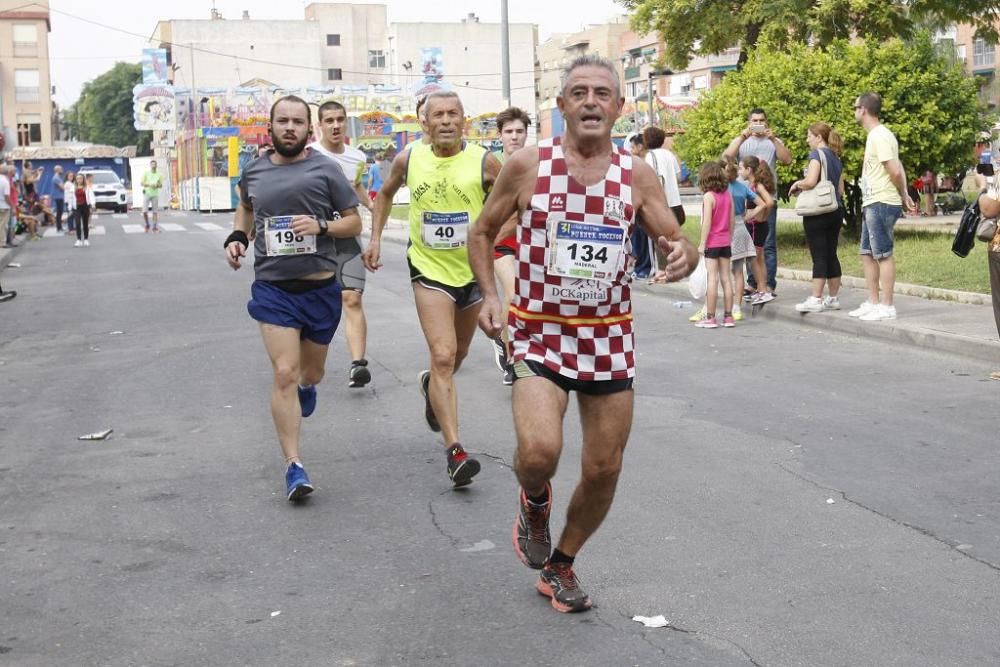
x=154, y=67
x=154, y=108
x=432, y=64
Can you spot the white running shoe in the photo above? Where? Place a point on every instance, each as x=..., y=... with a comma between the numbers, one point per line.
x=86, y=244
x=813, y=304
x=879, y=313
x=831, y=303
x=761, y=298
x=863, y=309
x=78, y=244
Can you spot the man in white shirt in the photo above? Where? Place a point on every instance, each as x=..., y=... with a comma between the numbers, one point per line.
x=5, y=206
x=666, y=166
x=350, y=269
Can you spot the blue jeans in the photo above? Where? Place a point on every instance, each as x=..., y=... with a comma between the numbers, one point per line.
x=770, y=253
x=877, y=222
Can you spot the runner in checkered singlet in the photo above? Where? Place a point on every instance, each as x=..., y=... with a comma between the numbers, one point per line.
x=571, y=318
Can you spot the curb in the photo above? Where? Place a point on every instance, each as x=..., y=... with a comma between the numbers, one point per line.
x=906, y=289
x=979, y=349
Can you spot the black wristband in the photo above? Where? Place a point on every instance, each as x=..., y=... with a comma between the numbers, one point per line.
x=237, y=236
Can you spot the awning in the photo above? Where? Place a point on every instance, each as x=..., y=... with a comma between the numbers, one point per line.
x=985, y=71
x=723, y=68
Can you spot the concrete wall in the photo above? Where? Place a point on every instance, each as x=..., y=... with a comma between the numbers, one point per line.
x=15, y=57
x=362, y=28
x=293, y=44
x=468, y=49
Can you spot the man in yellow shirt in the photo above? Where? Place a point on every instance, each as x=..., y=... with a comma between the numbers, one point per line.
x=448, y=181
x=883, y=194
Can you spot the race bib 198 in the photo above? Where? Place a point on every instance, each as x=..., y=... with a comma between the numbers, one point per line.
x=281, y=240
x=444, y=231
x=590, y=252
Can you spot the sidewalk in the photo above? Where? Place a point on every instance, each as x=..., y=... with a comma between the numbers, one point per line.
x=950, y=326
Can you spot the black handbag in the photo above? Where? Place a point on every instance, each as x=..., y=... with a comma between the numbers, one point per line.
x=965, y=237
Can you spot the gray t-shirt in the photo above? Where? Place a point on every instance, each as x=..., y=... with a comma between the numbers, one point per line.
x=762, y=148
x=313, y=186
x=57, y=187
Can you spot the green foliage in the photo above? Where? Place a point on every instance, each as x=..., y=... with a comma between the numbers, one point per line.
x=716, y=25
x=929, y=103
x=103, y=114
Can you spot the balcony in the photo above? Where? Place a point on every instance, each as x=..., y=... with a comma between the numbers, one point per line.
x=25, y=49
x=28, y=95
x=633, y=73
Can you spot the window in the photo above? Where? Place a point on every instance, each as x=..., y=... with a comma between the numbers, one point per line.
x=334, y=74
x=376, y=59
x=25, y=40
x=29, y=129
x=983, y=54
x=333, y=40
x=26, y=85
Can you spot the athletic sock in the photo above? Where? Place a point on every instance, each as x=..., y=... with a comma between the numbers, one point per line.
x=539, y=500
x=456, y=453
x=559, y=557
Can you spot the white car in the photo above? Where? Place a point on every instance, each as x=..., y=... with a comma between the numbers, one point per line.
x=109, y=191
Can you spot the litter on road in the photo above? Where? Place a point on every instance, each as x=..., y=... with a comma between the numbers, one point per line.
x=652, y=621
x=100, y=435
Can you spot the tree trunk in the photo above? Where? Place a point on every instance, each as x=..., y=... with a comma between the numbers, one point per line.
x=750, y=38
x=852, y=206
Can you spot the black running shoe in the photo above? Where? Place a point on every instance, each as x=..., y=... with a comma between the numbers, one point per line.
x=425, y=380
x=500, y=354
x=359, y=374
x=7, y=296
x=508, y=375
x=532, y=541
x=461, y=467
x=558, y=582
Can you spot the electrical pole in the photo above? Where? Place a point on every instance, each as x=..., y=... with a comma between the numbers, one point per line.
x=505, y=51
x=196, y=139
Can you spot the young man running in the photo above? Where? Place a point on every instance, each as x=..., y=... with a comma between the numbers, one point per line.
x=579, y=200
x=295, y=202
x=152, y=183
x=512, y=123
x=350, y=269
x=448, y=182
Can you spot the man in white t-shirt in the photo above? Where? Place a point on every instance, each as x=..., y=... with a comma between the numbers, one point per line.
x=5, y=206
x=350, y=269
x=666, y=166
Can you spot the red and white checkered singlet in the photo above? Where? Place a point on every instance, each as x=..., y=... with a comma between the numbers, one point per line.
x=580, y=329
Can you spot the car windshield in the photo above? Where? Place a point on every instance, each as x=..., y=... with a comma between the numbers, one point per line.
x=104, y=178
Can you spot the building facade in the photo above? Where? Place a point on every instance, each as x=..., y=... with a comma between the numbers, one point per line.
x=558, y=50
x=26, y=111
x=977, y=56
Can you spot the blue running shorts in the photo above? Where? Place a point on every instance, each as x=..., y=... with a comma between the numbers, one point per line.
x=314, y=312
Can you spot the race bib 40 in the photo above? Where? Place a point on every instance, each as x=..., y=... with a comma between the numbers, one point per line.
x=444, y=231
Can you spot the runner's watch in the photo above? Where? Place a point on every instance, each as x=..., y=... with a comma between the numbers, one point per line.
x=323, y=226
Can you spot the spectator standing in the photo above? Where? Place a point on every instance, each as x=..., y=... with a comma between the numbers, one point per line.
x=642, y=246
x=989, y=206
x=58, y=195
x=6, y=201
x=69, y=197
x=883, y=194
x=823, y=231
x=667, y=167
x=717, y=222
x=759, y=141
x=84, y=195
x=928, y=190
x=8, y=174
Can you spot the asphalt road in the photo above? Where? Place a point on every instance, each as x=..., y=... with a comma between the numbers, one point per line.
x=790, y=497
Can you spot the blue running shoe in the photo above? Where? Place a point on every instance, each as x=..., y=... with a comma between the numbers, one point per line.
x=307, y=399
x=297, y=482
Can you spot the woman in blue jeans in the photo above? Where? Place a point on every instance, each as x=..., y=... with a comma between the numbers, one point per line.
x=823, y=231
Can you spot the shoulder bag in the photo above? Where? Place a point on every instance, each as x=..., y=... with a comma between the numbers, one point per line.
x=820, y=199
x=965, y=237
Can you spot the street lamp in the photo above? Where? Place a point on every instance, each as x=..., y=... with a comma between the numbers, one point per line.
x=654, y=73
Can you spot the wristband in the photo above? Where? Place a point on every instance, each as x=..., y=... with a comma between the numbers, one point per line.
x=236, y=236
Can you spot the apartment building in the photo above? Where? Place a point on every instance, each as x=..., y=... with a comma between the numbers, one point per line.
x=554, y=53
x=26, y=112
x=978, y=57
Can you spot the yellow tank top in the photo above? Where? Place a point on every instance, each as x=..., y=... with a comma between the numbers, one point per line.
x=446, y=198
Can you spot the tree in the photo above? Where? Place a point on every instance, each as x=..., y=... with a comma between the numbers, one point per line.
x=704, y=28
x=929, y=103
x=103, y=114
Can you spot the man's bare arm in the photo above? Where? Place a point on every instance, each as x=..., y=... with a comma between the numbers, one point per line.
x=383, y=207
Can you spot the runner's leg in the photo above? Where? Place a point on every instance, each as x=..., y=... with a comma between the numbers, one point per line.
x=438, y=319
x=606, y=422
x=504, y=267
x=313, y=362
x=283, y=348
x=539, y=408
x=355, y=325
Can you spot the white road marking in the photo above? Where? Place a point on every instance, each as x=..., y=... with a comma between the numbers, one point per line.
x=98, y=230
x=172, y=227
x=133, y=229
x=210, y=226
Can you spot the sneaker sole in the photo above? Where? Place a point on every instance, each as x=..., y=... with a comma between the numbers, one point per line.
x=361, y=378
x=300, y=492
x=432, y=421
x=546, y=590
x=464, y=473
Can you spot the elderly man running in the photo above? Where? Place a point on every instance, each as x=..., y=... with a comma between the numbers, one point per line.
x=580, y=200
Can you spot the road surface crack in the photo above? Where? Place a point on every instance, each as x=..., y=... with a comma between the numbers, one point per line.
x=899, y=522
x=498, y=459
x=437, y=525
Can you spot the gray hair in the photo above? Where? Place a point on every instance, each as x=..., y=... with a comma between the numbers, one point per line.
x=590, y=60
x=440, y=95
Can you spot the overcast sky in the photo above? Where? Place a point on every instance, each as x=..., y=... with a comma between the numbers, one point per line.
x=80, y=51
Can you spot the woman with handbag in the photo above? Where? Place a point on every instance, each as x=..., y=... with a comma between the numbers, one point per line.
x=821, y=198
